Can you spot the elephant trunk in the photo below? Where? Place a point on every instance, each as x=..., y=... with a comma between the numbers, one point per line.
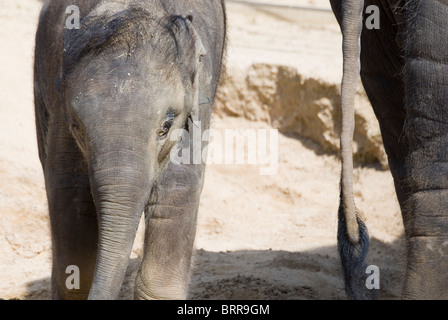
x=120, y=183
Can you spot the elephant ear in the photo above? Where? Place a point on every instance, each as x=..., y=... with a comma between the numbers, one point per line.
x=189, y=52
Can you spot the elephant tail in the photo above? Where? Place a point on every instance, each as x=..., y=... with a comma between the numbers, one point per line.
x=353, y=239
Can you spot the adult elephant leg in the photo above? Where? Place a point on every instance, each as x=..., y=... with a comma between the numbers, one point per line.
x=169, y=236
x=74, y=226
x=426, y=89
x=381, y=75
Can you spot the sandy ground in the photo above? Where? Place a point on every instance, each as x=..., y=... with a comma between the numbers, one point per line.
x=258, y=236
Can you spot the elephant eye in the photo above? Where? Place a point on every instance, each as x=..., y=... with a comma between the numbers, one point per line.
x=166, y=125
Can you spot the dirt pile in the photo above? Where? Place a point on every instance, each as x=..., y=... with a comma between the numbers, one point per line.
x=296, y=105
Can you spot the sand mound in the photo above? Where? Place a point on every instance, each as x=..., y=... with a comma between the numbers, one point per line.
x=295, y=105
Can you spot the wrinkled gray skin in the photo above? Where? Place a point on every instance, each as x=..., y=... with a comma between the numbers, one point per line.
x=107, y=98
x=404, y=69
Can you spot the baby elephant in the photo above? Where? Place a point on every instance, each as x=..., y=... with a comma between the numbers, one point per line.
x=109, y=93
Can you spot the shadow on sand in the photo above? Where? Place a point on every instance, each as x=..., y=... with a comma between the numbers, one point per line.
x=270, y=274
